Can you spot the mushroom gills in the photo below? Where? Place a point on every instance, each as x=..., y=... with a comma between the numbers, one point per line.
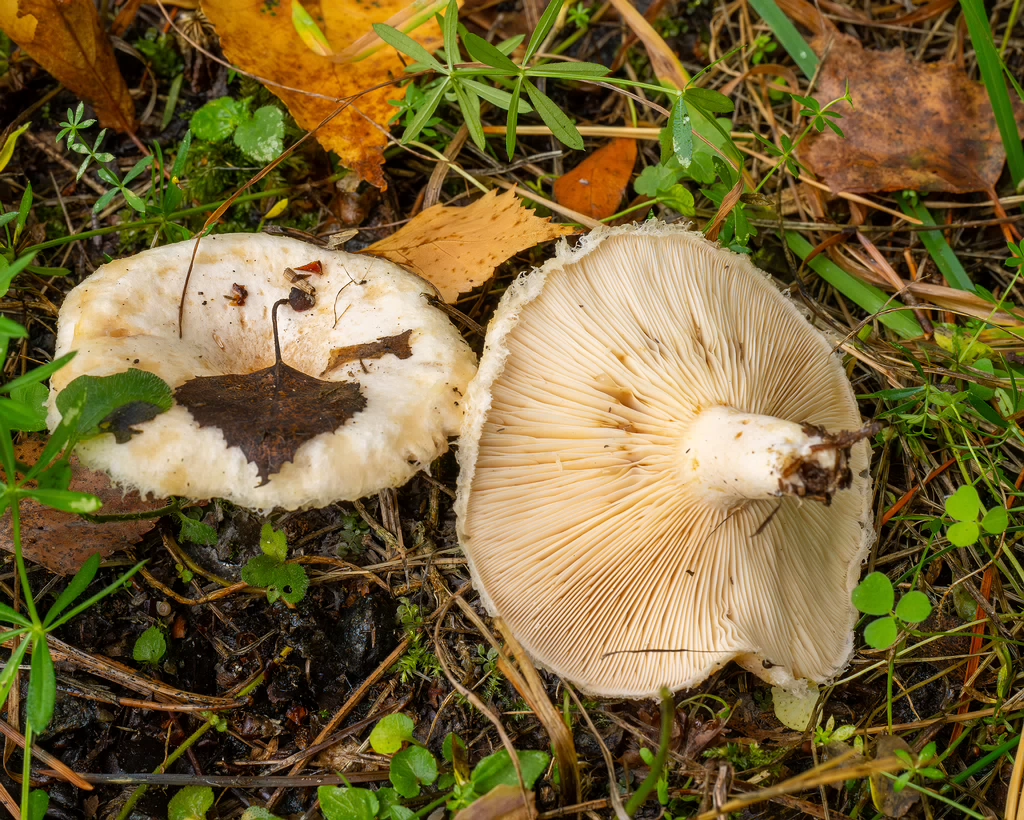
x=732, y=456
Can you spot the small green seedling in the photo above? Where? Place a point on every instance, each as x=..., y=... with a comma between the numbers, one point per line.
x=391, y=732
x=414, y=767
x=830, y=733
x=191, y=803
x=965, y=508
x=271, y=571
x=662, y=787
x=150, y=646
x=875, y=596
x=919, y=767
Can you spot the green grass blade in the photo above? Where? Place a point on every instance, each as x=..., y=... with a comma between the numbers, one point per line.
x=867, y=297
x=992, y=74
x=785, y=32
x=513, y=117
x=945, y=260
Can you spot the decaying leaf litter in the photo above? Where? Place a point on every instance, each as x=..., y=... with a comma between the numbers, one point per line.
x=379, y=624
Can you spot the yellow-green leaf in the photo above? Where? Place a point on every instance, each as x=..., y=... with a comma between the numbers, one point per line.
x=9, y=144
x=308, y=31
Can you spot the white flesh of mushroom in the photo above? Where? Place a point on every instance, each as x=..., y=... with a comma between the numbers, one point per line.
x=731, y=456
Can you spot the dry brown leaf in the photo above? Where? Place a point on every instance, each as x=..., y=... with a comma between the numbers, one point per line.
x=918, y=126
x=501, y=803
x=62, y=542
x=65, y=38
x=457, y=249
x=259, y=38
x=595, y=186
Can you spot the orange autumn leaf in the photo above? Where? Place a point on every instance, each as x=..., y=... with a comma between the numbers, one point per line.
x=457, y=249
x=65, y=38
x=918, y=126
x=259, y=38
x=595, y=186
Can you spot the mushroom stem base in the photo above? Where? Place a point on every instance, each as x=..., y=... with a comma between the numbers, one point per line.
x=733, y=456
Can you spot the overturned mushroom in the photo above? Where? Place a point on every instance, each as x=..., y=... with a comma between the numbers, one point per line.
x=363, y=390
x=650, y=423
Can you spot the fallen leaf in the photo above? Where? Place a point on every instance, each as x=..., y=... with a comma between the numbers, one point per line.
x=260, y=38
x=65, y=38
x=62, y=542
x=794, y=709
x=501, y=802
x=457, y=249
x=886, y=799
x=918, y=126
x=398, y=346
x=270, y=413
x=595, y=186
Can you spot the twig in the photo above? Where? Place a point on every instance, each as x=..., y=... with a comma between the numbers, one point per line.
x=125, y=676
x=59, y=769
x=234, y=781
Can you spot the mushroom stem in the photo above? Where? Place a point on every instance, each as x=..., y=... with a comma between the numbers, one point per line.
x=733, y=456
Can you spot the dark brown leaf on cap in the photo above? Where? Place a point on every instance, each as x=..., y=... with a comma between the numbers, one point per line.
x=62, y=542
x=269, y=414
x=919, y=126
x=394, y=345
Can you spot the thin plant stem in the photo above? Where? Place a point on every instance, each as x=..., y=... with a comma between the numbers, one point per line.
x=641, y=794
x=19, y=559
x=26, y=772
x=170, y=761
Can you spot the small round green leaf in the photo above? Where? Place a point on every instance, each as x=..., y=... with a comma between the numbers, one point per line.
x=410, y=769
x=217, y=119
x=963, y=533
x=874, y=595
x=150, y=646
x=996, y=521
x=191, y=803
x=881, y=633
x=914, y=607
x=344, y=803
x=390, y=733
x=964, y=504
x=261, y=138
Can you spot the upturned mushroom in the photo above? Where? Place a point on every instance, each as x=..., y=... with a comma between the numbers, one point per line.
x=302, y=376
x=663, y=469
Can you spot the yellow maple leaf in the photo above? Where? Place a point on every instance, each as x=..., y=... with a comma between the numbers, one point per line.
x=457, y=249
x=259, y=37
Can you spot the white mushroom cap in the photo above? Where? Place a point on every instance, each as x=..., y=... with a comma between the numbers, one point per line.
x=126, y=315
x=641, y=405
